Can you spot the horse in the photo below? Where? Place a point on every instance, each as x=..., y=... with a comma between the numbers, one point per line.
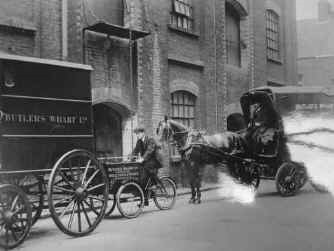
x=191, y=145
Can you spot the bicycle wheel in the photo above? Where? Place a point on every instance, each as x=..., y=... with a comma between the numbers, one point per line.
x=111, y=204
x=164, y=195
x=130, y=200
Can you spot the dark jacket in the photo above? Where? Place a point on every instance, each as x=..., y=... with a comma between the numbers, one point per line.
x=147, y=148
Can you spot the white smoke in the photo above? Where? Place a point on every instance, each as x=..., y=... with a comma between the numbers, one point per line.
x=316, y=153
x=234, y=191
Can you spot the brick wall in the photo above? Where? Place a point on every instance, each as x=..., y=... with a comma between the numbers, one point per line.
x=31, y=28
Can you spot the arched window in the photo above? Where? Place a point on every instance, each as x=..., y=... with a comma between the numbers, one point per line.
x=183, y=107
x=232, y=20
x=272, y=35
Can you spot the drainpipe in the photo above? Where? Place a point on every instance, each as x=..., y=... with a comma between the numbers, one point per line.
x=64, y=27
x=215, y=62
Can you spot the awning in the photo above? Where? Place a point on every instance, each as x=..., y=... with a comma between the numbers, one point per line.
x=295, y=89
x=117, y=31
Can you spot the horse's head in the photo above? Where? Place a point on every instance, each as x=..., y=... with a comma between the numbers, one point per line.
x=169, y=130
x=164, y=130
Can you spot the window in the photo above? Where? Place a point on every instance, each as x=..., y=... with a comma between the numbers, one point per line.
x=183, y=110
x=182, y=15
x=272, y=35
x=232, y=36
x=183, y=107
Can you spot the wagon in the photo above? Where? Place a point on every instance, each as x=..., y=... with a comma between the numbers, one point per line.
x=47, y=146
x=265, y=153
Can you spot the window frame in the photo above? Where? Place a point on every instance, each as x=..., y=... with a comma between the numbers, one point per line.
x=233, y=46
x=181, y=17
x=187, y=100
x=273, y=36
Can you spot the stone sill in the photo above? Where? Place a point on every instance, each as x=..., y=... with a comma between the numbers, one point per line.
x=186, y=61
x=275, y=61
x=18, y=27
x=185, y=32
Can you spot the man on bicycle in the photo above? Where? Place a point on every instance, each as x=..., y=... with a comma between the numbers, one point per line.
x=146, y=148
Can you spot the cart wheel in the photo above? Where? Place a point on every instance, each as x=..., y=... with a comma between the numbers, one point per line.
x=319, y=188
x=15, y=216
x=164, y=195
x=77, y=193
x=33, y=187
x=111, y=204
x=130, y=200
x=287, y=182
x=253, y=176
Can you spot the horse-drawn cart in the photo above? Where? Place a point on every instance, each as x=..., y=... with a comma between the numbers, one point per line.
x=46, y=151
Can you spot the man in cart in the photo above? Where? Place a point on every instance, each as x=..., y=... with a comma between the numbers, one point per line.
x=148, y=154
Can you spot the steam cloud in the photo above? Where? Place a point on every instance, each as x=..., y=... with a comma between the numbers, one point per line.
x=318, y=151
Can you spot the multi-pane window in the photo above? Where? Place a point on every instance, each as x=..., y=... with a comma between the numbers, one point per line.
x=183, y=110
x=272, y=35
x=233, y=49
x=182, y=15
x=183, y=107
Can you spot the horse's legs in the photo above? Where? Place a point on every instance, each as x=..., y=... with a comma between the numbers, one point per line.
x=198, y=180
x=189, y=168
x=193, y=194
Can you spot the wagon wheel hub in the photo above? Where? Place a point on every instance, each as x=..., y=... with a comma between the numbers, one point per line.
x=8, y=217
x=81, y=193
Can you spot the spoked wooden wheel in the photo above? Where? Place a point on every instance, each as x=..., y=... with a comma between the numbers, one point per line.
x=33, y=187
x=164, y=195
x=287, y=182
x=252, y=176
x=130, y=200
x=15, y=216
x=77, y=193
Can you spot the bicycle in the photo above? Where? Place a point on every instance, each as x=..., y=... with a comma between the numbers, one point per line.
x=131, y=196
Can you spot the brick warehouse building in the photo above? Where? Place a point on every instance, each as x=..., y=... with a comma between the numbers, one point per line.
x=192, y=59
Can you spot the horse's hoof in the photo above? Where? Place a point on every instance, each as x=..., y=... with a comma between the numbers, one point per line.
x=191, y=201
x=199, y=201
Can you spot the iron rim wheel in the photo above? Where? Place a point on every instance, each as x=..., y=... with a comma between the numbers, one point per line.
x=254, y=176
x=286, y=179
x=33, y=187
x=15, y=216
x=77, y=193
x=165, y=195
x=111, y=204
x=130, y=200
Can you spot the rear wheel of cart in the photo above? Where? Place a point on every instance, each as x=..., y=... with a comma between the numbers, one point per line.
x=287, y=179
x=77, y=193
x=164, y=195
x=33, y=187
x=130, y=200
x=15, y=216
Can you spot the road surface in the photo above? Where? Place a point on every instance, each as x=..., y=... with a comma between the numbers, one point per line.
x=304, y=222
